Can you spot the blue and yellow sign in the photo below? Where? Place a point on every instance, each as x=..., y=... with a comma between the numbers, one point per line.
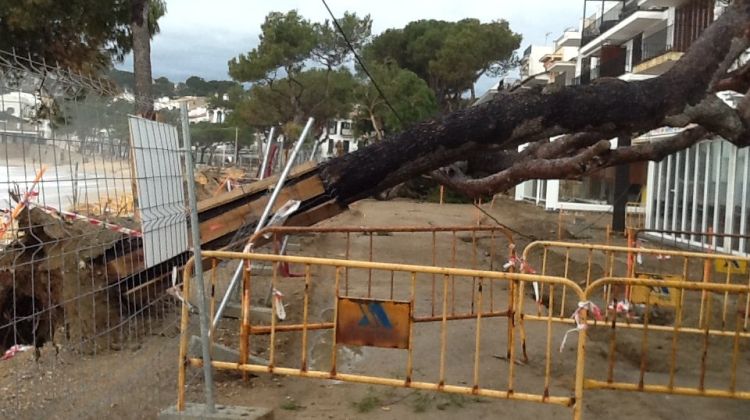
x=656, y=295
x=374, y=323
x=730, y=266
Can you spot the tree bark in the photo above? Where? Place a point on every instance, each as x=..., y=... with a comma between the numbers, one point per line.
x=142, y=58
x=374, y=121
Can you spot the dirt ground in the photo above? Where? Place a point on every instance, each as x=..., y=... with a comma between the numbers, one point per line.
x=141, y=380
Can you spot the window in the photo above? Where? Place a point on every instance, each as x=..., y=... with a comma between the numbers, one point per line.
x=346, y=143
x=330, y=147
x=346, y=128
x=332, y=127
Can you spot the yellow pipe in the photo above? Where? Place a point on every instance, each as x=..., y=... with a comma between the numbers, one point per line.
x=688, y=330
x=664, y=389
x=624, y=249
x=377, y=380
x=184, y=321
x=580, y=364
x=461, y=272
x=708, y=287
x=305, y=314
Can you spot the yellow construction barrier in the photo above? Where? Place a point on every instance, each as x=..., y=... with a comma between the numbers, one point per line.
x=385, y=322
x=385, y=307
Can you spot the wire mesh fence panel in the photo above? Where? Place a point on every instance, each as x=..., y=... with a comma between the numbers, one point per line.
x=87, y=321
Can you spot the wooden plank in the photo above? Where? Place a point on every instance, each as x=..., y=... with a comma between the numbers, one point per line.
x=316, y=214
x=234, y=219
x=253, y=188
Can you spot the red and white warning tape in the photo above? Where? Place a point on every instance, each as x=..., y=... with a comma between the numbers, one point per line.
x=622, y=307
x=580, y=323
x=13, y=350
x=280, y=311
x=96, y=222
x=524, y=267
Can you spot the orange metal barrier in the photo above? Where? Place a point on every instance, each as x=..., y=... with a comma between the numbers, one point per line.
x=590, y=261
x=666, y=348
x=357, y=318
x=406, y=323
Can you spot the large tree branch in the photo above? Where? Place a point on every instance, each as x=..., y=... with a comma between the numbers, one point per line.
x=593, y=158
x=609, y=107
x=490, y=160
x=737, y=80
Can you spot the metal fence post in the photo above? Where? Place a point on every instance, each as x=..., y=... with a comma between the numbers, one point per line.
x=198, y=270
x=266, y=153
x=263, y=219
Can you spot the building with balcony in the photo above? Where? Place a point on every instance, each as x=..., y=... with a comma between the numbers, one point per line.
x=560, y=64
x=636, y=39
x=696, y=190
x=533, y=72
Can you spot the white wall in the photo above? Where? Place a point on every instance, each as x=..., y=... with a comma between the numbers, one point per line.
x=337, y=131
x=533, y=66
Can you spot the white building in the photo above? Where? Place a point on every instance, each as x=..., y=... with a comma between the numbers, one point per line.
x=560, y=64
x=532, y=69
x=702, y=188
x=18, y=112
x=338, y=138
x=199, y=109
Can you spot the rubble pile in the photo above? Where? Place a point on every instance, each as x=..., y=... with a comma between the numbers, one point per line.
x=55, y=283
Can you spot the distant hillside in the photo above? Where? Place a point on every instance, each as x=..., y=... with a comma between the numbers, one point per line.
x=193, y=86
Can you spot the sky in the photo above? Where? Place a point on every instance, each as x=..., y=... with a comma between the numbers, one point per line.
x=198, y=37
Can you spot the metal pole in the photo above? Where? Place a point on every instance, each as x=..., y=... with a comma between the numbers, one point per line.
x=265, y=155
x=236, y=146
x=315, y=149
x=262, y=221
x=198, y=262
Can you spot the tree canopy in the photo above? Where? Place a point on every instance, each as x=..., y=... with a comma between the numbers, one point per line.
x=317, y=93
x=297, y=69
x=411, y=98
x=83, y=35
x=301, y=68
x=449, y=56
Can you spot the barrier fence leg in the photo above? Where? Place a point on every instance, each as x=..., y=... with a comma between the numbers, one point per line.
x=580, y=364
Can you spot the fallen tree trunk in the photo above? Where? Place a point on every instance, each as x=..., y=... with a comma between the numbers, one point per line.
x=608, y=106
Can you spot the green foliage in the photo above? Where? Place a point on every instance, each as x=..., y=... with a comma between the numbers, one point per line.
x=421, y=402
x=207, y=134
x=410, y=96
x=450, y=56
x=286, y=41
x=331, y=49
x=124, y=79
x=368, y=403
x=286, y=88
x=197, y=86
x=163, y=87
x=83, y=35
x=317, y=93
x=193, y=86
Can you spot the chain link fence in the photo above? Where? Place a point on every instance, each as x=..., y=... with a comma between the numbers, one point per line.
x=93, y=220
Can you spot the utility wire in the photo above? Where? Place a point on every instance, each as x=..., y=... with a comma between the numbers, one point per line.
x=362, y=64
x=531, y=237
x=601, y=216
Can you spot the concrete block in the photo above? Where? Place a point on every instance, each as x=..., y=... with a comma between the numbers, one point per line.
x=221, y=353
x=234, y=310
x=223, y=412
